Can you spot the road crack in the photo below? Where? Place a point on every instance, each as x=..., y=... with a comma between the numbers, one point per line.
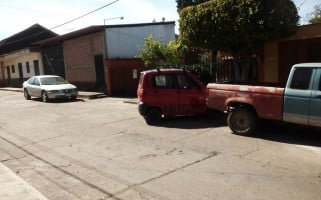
x=13, y=158
x=210, y=155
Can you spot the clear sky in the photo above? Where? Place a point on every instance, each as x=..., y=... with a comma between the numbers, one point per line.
x=17, y=15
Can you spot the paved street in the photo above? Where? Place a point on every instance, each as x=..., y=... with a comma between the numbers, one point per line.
x=102, y=149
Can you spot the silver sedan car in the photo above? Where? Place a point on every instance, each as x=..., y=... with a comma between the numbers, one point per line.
x=49, y=87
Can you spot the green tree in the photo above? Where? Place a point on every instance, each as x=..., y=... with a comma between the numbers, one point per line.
x=316, y=15
x=184, y=3
x=155, y=54
x=237, y=27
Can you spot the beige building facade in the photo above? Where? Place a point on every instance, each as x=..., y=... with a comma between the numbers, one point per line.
x=281, y=55
x=20, y=65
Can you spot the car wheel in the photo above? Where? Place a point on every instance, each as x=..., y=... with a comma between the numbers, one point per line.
x=44, y=96
x=26, y=94
x=153, y=116
x=242, y=121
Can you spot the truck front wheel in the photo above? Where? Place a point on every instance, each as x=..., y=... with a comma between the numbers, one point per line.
x=242, y=121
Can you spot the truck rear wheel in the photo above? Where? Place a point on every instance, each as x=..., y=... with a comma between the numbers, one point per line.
x=153, y=116
x=242, y=121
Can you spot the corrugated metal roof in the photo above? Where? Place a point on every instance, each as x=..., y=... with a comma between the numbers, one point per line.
x=25, y=38
x=126, y=41
x=90, y=30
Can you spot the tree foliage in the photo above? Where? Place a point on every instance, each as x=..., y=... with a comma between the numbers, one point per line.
x=316, y=15
x=155, y=54
x=236, y=25
x=185, y=3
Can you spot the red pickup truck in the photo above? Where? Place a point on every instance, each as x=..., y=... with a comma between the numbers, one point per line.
x=299, y=102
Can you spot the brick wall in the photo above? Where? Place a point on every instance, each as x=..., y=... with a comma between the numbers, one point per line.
x=79, y=54
x=119, y=76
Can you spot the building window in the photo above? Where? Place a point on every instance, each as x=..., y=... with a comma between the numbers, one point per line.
x=13, y=70
x=28, y=67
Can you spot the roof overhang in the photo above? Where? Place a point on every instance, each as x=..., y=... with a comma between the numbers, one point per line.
x=304, y=32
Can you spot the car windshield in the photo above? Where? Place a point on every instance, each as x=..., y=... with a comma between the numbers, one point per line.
x=55, y=80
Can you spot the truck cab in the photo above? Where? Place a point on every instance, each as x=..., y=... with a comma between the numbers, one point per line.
x=302, y=97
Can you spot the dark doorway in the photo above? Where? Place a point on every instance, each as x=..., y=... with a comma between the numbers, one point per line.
x=8, y=75
x=20, y=71
x=53, y=60
x=289, y=53
x=313, y=52
x=100, y=73
x=36, y=66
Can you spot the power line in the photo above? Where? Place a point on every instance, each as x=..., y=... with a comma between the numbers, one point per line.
x=41, y=32
x=84, y=15
x=303, y=2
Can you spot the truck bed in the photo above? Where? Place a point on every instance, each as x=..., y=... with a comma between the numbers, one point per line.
x=267, y=101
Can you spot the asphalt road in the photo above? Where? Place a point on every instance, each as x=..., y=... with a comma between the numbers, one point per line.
x=102, y=149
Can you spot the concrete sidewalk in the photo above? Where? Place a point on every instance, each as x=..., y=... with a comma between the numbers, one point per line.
x=12, y=187
x=81, y=94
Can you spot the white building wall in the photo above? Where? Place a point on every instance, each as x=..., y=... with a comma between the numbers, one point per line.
x=23, y=56
x=125, y=42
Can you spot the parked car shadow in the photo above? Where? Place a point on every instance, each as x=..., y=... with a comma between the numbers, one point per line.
x=288, y=133
x=59, y=100
x=194, y=122
x=267, y=130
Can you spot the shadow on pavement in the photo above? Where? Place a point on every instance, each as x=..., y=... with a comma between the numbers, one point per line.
x=58, y=100
x=266, y=130
x=194, y=122
x=288, y=133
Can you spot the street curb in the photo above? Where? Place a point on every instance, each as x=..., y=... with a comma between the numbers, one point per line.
x=81, y=94
x=13, y=187
x=11, y=89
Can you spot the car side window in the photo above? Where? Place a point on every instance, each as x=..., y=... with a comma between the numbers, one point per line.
x=36, y=82
x=163, y=81
x=301, y=78
x=31, y=81
x=195, y=85
x=183, y=81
